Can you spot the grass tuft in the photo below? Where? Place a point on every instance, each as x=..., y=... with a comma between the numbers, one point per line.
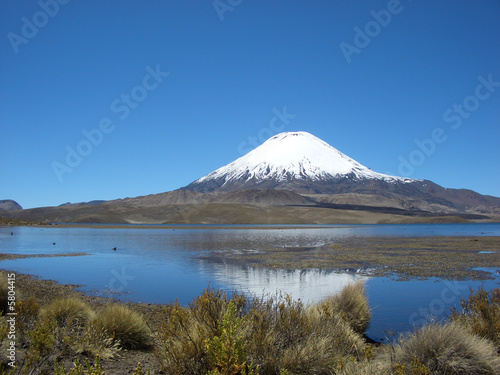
x=445, y=349
x=352, y=304
x=66, y=311
x=285, y=334
x=125, y=326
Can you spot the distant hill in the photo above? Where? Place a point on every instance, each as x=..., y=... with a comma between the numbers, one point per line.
x=9, y=204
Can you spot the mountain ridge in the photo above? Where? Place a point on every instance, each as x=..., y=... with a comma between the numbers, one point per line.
x=304, y=164
x=293, y=178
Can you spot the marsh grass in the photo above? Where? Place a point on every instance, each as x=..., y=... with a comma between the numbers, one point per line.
x=480, y=314
x=352, y=304
x=445, y=349
x=230, y=335
x=66, y=311
x=96, y=343
x=274, y=334
x=125, y=326
x=285, y=334
x=180, y=346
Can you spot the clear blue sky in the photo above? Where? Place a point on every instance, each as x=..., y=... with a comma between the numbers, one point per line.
x=168, y=91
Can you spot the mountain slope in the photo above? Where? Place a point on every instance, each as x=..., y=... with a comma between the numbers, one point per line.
x=293, y=178
x=9, y=204
x=304, y=164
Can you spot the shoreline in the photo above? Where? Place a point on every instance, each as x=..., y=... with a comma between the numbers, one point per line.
x=32, y=288
x=44, y=291
x=240, y=226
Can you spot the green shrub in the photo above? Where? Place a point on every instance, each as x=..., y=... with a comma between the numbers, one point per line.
x=226, y=351
x=41, y=345
x=125, y=326
x=445, y=349
x=65, y=311
x=353, y=305
x=80, y=369
x=480, y=314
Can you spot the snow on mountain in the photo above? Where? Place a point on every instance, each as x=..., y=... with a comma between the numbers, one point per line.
x=293, y=156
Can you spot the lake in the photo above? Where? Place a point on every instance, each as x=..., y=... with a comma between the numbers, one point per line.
x=159, y=265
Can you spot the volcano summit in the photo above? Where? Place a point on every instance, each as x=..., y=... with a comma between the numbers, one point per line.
x=296, y=161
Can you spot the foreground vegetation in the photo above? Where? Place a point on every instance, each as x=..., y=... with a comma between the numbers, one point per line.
x=222, y=334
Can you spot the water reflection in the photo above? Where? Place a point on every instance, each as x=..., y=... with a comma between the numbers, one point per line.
x=311, y=285
x=164, y=264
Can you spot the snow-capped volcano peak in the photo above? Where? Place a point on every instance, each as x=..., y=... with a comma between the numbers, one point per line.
x=287, y=157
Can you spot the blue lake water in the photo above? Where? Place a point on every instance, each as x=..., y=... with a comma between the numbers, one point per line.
x=161, y=264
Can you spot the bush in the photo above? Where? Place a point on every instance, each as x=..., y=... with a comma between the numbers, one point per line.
x=66, y=311
x=480, y=314
x=27, y=313
x=125, y=326
x=267, y=335
x=352, y=304
x=181, y=342
x=284, y=334
x=226, y=352
x=445, y=349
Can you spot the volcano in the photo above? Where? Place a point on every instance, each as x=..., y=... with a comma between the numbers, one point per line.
x=296, y=161
x=306, y=165
x=292, y=178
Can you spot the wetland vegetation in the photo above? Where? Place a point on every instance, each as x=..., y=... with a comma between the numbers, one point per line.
x=62, y=331
x=457, y=258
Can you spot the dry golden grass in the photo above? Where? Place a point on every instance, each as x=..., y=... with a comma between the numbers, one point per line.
x=266, y=335
x=124, y=326
x=446, y=349
x=352, y=304
x=180, y=346
x=65, y=311
x=284, y=334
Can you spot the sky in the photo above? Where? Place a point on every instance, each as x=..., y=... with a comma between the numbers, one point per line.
x=119, y=98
